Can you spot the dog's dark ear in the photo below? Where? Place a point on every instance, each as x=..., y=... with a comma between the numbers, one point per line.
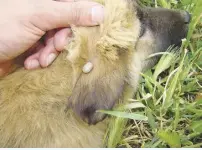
x=100, y=94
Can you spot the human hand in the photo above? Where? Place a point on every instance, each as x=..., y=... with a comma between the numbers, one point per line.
x=25, y=22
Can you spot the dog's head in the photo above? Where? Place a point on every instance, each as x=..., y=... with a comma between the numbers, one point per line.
x=167, y=27
x=111, y=47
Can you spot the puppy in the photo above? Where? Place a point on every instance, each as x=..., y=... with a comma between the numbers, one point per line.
x=54, y=107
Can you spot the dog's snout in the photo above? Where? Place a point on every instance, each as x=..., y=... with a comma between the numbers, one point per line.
x=187, y=17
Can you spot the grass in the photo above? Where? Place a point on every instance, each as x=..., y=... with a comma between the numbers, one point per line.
x=167, y=108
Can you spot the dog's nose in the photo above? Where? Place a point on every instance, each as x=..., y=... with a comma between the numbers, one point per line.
x=187, y=17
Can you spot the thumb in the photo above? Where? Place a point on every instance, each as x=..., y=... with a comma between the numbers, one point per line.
x=62, y=14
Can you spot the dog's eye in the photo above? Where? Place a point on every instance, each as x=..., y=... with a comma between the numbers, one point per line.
x=142, y=31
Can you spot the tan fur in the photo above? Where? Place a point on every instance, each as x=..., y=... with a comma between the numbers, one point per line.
x=33, y=104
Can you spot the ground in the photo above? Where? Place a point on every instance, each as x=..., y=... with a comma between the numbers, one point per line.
x=167, y=109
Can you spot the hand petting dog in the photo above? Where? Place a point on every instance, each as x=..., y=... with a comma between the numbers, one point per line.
x=41, y=29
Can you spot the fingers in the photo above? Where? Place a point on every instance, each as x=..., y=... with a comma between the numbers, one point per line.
x=62, y=38
x=46, y=53
x=32, y=62
x=63, y=14
x=43, y=58
x=59, y=14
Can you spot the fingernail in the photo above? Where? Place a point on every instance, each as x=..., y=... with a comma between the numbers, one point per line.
x=33, y=64
x=50, y=59
x=98, y=14
x=87, y=68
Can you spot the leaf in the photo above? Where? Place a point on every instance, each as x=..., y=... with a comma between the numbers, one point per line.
x=149, y=85
x=196, y=126
x=154, y=143
x=147, y=96
x=171, y=138
x=151, y=119
x=199, y=102
x=134, y=105
x=150, y=79
x=191, y=86
x=125, y=115
x=115, y=132
x=177, y=113
x=163, y=64
x=168, y=98
x=164, y=3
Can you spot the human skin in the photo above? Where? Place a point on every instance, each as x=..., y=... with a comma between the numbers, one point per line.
x=41, y=28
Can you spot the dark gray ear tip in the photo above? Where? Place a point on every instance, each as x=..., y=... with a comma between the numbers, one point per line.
x=89, y=114
x=96, y=118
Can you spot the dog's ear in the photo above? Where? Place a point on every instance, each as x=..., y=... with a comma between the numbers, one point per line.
x=103, y=85
x=109, y=48
x=98, y=94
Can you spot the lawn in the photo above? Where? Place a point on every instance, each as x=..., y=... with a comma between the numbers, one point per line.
x=167, y=108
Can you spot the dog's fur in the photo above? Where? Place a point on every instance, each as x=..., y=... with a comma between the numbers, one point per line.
x=42, y=108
